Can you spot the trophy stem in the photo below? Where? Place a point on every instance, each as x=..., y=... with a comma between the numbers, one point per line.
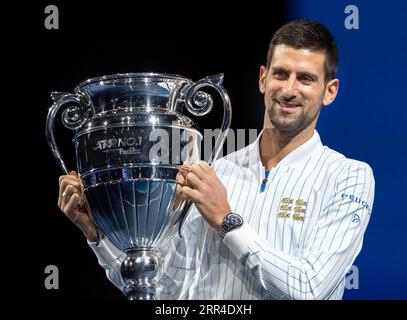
x=138, y=271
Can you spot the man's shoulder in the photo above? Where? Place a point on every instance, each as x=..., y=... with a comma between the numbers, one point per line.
x=345, y=164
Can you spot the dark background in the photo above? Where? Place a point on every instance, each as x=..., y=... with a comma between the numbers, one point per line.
x=194, y=39
x=187, y=38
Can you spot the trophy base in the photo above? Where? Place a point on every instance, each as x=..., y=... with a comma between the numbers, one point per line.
x=137, y=292
x=138, y=270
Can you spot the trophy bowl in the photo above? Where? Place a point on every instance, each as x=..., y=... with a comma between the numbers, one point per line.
x=131, y=139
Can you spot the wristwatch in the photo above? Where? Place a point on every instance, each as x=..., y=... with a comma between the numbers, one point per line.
x=231, y=221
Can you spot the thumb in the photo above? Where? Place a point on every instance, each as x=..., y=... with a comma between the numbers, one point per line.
x=73, y=173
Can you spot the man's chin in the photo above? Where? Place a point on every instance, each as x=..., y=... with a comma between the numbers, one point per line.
x=285, y=122
x=289, y=127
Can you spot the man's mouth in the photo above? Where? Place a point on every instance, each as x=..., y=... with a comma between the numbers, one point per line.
x=288, y=107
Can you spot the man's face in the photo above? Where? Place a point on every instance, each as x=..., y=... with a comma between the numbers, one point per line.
x=294, y=88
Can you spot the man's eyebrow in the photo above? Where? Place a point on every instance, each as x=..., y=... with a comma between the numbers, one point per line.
x=274, y=69
x=313, y=76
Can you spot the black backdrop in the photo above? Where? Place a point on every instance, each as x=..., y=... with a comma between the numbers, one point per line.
x=194, y=39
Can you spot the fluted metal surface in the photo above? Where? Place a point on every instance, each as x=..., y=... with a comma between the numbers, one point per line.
x=134, y=213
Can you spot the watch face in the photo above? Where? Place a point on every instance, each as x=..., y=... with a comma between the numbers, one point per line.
x=234, y=220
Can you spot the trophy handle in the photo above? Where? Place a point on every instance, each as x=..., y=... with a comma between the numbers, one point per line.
x=200, y=103
x=73, y=117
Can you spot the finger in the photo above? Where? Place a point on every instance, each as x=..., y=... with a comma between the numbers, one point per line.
x=68, y=193
x=69, y=180
x=192, y=180
x=185, y=168
x=74, y=174
x=64, y=181
x=68, y=187
x=198, y=171
x=180, y=178
x=67, y=177
x=209, y=172
x=179, y=194
x=184, y=172
x=70, y=190
x=204, y=166
x=190, y=193
x=78, y=177
x=72, y=206
x=180, y=183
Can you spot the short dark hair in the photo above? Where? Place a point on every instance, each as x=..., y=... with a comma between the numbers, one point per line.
x=311, y=35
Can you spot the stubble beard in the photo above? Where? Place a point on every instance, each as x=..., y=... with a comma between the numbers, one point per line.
x=290, y=126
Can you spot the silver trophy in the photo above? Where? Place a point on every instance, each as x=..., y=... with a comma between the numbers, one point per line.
x=131, y=140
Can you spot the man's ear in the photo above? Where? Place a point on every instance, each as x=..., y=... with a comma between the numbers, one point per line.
x=331, y=92
x=262, y=79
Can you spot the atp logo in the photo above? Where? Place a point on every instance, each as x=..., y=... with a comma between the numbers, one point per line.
x=355, y=218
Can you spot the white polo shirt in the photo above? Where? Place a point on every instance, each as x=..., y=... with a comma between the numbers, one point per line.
x=303, y=229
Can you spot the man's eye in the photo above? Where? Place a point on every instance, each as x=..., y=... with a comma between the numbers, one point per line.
x=305, y=79
x=280, y=75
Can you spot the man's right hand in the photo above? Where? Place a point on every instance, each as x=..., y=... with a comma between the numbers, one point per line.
x=72, y=202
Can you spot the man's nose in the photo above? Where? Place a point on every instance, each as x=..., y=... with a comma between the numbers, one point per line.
x=290, y=87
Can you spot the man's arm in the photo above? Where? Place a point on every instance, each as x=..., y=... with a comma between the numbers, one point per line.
x=110, y=259
x=329, y=250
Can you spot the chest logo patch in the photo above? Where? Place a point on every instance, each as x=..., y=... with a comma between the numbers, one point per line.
x=292, y=208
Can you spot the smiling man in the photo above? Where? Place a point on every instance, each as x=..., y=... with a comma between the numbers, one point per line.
x=270, y=221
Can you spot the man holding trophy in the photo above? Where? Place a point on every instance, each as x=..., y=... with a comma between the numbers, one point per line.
x=283, y=218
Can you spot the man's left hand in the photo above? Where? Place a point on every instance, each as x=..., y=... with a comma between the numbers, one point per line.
x=208, y=193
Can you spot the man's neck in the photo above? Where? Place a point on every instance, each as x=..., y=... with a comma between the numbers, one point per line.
x=276, y=145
